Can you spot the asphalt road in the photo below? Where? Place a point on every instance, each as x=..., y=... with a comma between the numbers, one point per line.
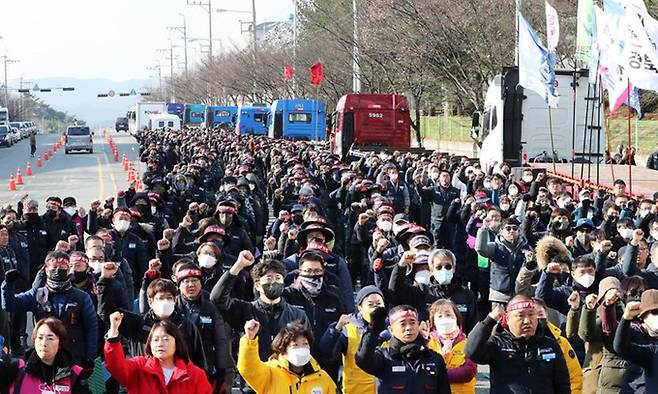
x=82, y=175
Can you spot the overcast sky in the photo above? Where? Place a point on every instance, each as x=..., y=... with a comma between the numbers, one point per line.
x=115, y=39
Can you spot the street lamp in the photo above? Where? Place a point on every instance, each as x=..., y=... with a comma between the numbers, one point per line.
x=183, y=30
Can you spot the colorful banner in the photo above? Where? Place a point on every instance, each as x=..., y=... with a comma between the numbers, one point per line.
x=552, y=27
x=536, y=64
x=585, y=24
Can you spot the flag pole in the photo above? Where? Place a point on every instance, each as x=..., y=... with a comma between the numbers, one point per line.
x=630, y=115
x=550, y=130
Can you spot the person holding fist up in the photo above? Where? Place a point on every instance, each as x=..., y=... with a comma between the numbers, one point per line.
x=269, y=309
x=291, y=369
x=639, y=344
x=166, y=368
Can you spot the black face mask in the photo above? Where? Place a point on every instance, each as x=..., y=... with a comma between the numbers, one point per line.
x=79, y=277
x=298, y=219
x=273, y=290
x=542, y=324
x=57, y=279
x=218, y=243
x=31, y=217
x=51, y=213
x=562, y=277
x=143, y=209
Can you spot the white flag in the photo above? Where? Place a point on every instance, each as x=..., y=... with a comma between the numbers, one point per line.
x=640, y=49
x=536, y=64
x=552, y=27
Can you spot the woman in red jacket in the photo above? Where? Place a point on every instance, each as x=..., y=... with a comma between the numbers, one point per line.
x=165, y=369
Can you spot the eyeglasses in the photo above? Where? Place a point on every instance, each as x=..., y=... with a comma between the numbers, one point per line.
x=318, y=271
x=511, y=228
x=440, y=267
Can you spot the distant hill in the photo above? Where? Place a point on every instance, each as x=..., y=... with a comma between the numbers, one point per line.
x=83, y=102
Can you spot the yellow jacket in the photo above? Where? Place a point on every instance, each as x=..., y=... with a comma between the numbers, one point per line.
x=573, y=365
x=355, y=381
x=275, y=377
x=455, y=359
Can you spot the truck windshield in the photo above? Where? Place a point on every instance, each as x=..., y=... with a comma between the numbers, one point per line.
x=196, y=115
x=258, y=117
x=222, y=113
x=299, y=118
x=78, y=131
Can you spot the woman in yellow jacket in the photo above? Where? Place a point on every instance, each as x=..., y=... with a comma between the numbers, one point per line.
x=447, y=338
x=553, y=331
x=290, y=369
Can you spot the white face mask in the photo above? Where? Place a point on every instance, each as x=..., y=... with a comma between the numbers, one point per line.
x=121, y=225
x=153, y=210
x=252, y=186
x=585, y=280
x=434, y=175
x=513, y=191
x=298, y=356
x=487, y=185
x=71, y=210
x=393, y=176
x=206, y=261
x=527, y=178
x=422, y=277
x=443, y=276
x=626, y=233
x=163, y=308
x=385, y=225
x=95, y=266
x=651, y=321
x=504, y=207
x=445, y=325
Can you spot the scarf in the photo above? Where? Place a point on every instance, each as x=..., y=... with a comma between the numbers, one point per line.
x=446, y=340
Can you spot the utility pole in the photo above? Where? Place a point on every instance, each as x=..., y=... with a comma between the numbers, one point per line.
x=20, y=103
x=6, y=60
x=253, y=22
x=158, y=67
x=183, y=30
x=209, y=11
x=356, y=67
x=294, y=50
x=171, y=69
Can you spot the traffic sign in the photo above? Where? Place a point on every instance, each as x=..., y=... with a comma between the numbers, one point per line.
x=133, y=92
x=111, y=93
x=36, y=88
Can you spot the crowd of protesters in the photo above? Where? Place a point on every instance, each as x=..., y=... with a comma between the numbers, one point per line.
x=276, y=267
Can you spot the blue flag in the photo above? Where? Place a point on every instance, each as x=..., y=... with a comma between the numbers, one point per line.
x=536, y=64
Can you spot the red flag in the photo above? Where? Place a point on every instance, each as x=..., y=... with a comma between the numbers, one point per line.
x=316, y=73
x=288, y=73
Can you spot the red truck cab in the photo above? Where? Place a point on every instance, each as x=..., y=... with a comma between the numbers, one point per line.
x=371, y=121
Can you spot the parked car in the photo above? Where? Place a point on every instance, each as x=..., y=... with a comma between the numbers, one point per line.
x=121, y=124
x=5, y=137
x=15, y=134
x=17, y=126
x=78, y=138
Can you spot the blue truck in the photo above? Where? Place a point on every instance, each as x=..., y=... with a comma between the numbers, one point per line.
x=177, y=109
x=195, y=115
x=217, y=115
x=252, y=120
x=298, y=119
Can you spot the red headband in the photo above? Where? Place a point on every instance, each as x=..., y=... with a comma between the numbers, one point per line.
x=180, y=275
x=402, y=314
x=57, y=261
x=79, y=258
x=54, y=202
x=525, y=304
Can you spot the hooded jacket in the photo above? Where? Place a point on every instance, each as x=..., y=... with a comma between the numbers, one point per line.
x=275, y=376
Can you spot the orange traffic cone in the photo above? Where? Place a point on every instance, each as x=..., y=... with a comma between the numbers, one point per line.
x=39, y=162
x=12, y=183
x=45, y=156
x=19, y=177
x=28, y=170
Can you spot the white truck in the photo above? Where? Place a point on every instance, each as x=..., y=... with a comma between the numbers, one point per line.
x=4, y=116
x=164, y=121
x=139, y=114
x=515, y=122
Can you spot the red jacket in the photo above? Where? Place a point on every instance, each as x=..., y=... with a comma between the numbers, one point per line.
x=144, y=374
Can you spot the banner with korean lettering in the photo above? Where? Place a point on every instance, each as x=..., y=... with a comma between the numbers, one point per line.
x=584, y=30
x=552, y=27
x=640, y=50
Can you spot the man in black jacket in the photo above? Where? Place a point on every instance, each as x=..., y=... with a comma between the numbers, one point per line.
x=406, y=365
x=196, y=306
x=58, y=223
x=161, y=295
x=522, y=360
x=270, y=309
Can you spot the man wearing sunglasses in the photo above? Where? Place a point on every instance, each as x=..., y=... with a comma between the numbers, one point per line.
x=506, y=254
